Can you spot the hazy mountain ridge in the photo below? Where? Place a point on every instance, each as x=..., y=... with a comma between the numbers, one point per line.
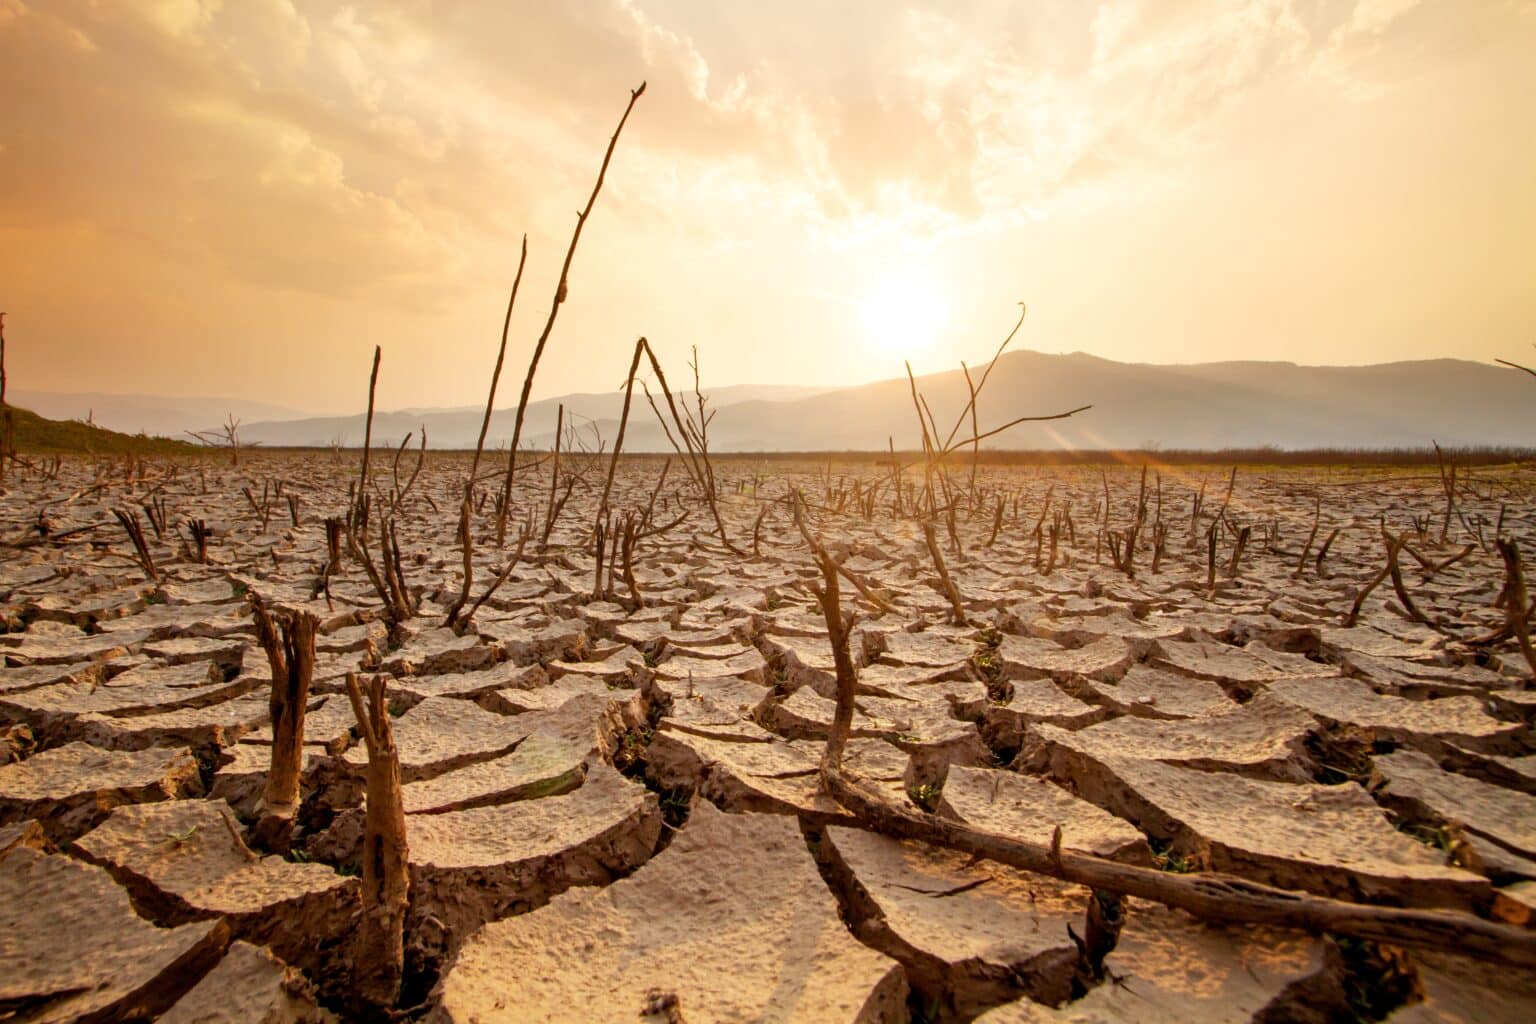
x=1201, y=405
x=156, y=415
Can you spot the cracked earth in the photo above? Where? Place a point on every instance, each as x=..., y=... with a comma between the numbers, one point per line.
x=610, y=775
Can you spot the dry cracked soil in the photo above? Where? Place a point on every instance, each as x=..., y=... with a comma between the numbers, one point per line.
x=610, y=774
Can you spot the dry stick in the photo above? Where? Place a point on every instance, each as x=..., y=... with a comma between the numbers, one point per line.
x=135, y=530
x=1516, y=366
x=689, y=462
x=971, y=407
x=702, y=474
x=467, y=548
x=618, y=442
x=1210, y=555
x=1448, y=483
x=650, y=505
x=1013, y=423
x=1394, y=570
x=957, y=608
x=398, y=501
x=1517, y=602
x=373, y=383
x=383, y=584
x=757, y=532
x=975, y=445
x=863, y=588
x=1225, y=502
x=395, y=566
x=466, y=510
x=200, y=534
x=549, y=324
x=1212, y=896
x=997, y=522
x=1237, y=550
x=631, y=533
x=928, y=443
x=1365, y=591
x=1441, y=566
x=700, y=433
x=380, y=959
x=501, y=578
x=1306, y=549
x=837, y=633
x=394, y=470
x=501, y=355
x=289, y=643
x=600, y=535
x=554, y=476
x=7, y=439
x=1322, y=552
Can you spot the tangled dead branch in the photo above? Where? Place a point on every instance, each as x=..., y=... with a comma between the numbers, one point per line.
x=1211, y=896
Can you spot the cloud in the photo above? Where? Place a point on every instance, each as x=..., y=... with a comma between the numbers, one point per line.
x=390, y=133
x=343, y=160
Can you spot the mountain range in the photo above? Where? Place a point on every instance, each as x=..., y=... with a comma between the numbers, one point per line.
x=1236, y=404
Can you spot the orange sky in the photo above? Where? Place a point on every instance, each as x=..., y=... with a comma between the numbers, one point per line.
x=242, y=198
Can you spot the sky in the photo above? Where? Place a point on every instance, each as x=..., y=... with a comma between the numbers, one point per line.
x=243, y=197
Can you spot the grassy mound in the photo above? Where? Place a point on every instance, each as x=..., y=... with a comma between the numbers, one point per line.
x=49, y=437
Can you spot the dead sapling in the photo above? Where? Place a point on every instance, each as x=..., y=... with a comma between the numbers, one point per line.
x=379, y=961
x=360, y=497
x=288, y=638
x=561, y=293
x=7, y=424
x=868, y=591
x=935, y=453
x=262, y=510
x=1395, y=545
x=134, y=527
x=950, y=591
x=1239, y=545
x=1322, y=552
x=503, y=576
x=155, y=511
x=335, y=528
x=198, y=532
x=1370, y=585
x=1516, y=603
x=1159, y=543
x=398, y=492
x=1211, y=535
x=226, y=436
x=1447, y=469
x=1306, y=549
x=466, y=508
x=687, y=441
x=388, y=575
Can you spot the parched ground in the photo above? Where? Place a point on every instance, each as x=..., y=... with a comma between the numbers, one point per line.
x=610, y=776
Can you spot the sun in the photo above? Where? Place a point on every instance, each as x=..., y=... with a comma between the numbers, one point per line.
x=903, y=313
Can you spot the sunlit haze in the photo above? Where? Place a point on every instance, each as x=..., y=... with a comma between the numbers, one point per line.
x=243, y=197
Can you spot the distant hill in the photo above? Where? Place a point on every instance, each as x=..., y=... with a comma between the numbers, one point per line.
x=1135, y=405
x=159, y=415
x=1204, y=406
x=459, y=427
x=38, y=435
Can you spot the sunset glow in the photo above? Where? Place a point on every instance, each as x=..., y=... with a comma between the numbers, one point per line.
x=903, y=314
x=194, y=191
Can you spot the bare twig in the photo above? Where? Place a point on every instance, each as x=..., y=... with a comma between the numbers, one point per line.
x=561, y=290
